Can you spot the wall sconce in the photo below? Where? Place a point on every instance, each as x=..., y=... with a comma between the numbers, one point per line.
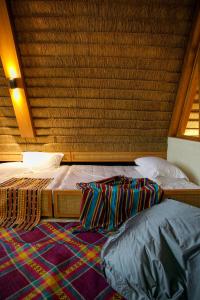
x=13, y=83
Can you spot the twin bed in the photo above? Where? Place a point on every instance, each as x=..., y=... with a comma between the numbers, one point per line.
x=61, y=198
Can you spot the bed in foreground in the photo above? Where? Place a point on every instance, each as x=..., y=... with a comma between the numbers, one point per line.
x=156, y=254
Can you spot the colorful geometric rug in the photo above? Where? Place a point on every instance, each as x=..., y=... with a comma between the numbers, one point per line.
x=53, y=261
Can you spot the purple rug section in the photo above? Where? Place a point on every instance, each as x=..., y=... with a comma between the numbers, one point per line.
x=53, y=261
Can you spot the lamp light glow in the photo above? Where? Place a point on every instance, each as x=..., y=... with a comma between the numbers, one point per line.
x=12, y=72
x=16, y=95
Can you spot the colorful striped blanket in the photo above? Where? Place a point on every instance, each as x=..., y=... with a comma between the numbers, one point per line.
x=53, y=261
x=20, y=202
x=109, y=202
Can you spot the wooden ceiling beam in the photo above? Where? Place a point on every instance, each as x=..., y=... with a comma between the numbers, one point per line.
x=187, y=70
x=12, y=70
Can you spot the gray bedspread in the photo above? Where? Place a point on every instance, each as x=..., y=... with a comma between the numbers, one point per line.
x=156, y=254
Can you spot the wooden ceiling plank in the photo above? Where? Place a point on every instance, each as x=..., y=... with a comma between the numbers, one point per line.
x=188, y=64
x=11, y=66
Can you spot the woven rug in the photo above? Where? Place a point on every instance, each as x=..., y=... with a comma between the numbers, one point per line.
x=53, y=261
x=20, y=202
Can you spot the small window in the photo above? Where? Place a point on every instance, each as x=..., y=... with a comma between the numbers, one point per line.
x=192, y=128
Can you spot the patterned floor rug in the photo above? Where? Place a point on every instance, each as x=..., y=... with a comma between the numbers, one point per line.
x=53, y=261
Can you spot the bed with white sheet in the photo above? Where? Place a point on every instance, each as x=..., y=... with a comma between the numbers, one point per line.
x=37, y=165
x=61, y=198
x=172, y=180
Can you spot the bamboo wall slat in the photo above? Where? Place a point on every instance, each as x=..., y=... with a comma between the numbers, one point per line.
x=100, y=75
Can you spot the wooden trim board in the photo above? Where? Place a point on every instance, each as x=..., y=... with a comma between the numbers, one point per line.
x=46, y=203
x=10, y=156
x=111, y=156
x=189, y=196
x=67, y=202
x=90, y=156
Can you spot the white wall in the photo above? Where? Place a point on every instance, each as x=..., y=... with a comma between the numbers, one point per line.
x=186, y=155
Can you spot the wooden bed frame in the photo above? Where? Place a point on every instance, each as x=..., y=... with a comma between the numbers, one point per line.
x=46, y=203
x=67, y=203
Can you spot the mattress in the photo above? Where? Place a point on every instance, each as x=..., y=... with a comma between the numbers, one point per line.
x=88, y=173
x=18, y=170
x=66, y=177
x=175, y=183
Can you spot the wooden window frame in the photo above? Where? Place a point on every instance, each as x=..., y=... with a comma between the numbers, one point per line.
x=179, y=118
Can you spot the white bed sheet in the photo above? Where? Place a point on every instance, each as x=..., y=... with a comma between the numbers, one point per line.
x=175, y=183
x=18, y=170
x=88, y=173
x=65, y=177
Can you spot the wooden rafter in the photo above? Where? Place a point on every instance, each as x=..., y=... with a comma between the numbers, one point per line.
x=11, y=66
x=188, y=65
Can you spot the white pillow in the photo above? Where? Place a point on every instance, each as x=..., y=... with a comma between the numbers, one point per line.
x=152, y=167
x=42, y=160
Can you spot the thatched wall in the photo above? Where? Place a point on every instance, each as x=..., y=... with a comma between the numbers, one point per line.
x=100, y=75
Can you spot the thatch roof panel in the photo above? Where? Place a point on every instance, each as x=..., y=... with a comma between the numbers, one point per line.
x=103, y=83
x=107, y=38
x=101, y=24
x=142, y=8
x=8, y=121
x=100, y=75
x=60, y=113
x=121, y=104
x=101, y=50
x=83, y=64
x=100, y=93
x=99, y=123
x=159, y=132
x=9, y=139
x=12, y=131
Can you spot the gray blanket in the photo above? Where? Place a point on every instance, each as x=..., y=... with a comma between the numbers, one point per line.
x=156, y=254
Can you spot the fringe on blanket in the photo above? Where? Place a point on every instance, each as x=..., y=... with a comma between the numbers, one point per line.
x=20, y=202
